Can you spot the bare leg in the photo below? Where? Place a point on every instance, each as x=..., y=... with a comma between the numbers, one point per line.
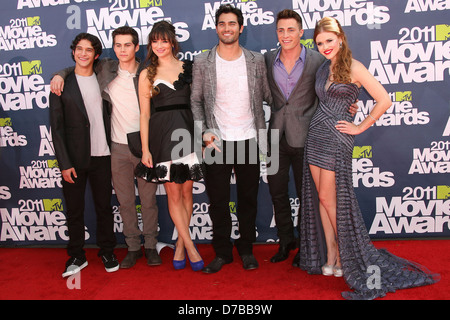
x=325, y=182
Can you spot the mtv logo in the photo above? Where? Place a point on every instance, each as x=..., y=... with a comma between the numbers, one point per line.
x=403, y=96
x=52, y=204
x=443, y=192
x=52, y=163
x=150, y=3
x=308, y=43
x=362, y=152
x=31, y=67
x=232, y=207
x=5, y=122
x=442, y=32
x=34, y=21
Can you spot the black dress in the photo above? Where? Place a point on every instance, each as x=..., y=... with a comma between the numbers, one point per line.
x=368, y=271
x=171, y=133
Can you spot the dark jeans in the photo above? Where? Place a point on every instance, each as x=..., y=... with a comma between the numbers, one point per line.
x=243, y=157
x=279, y=188
x=99, y=176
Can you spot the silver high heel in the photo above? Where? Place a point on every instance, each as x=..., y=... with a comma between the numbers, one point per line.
x=327, y=270
x=338, y=272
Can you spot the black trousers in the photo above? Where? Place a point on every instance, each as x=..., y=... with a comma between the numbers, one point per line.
x=99, y=176
x=279, y=189
x=243, y=157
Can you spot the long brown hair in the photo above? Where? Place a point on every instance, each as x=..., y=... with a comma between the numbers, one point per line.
x=162, y=30
x=341, y=69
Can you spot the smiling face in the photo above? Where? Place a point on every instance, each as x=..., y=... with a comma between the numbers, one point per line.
x=228, y=28
x=289, y=33
x=328, y=44
x=161, y=47
x=124, y=48
x=84, y=54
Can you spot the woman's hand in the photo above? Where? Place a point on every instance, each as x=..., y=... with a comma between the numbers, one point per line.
x=147, y=159
x=348, y=128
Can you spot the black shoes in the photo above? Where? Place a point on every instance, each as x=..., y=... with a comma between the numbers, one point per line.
x=248, y=262
x=283, y=252
x=216, y=265
x=110, y=262
x=74, y=265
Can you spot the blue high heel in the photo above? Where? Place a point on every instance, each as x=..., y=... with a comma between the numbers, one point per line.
x=196, y=266
x=178, y=264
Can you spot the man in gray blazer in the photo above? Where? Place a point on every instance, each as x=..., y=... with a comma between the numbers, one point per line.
x=291, y=72
x=228, y=89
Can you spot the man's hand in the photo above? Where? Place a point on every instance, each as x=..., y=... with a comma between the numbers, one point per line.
x=209, y=139
x=68, y=173
x=57, y=85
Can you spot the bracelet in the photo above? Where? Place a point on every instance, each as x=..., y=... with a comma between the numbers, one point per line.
x=372, y=117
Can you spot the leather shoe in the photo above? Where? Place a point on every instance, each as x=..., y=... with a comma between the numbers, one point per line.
x=215, y=265
x=249, y=262
x=153, y=258
x=130, y=259
x=283, y=252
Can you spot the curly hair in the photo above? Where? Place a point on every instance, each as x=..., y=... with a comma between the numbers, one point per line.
x=95, y=42
x=342, y=68
x=162, y=30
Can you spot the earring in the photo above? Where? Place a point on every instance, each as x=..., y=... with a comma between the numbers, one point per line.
x=340, y=45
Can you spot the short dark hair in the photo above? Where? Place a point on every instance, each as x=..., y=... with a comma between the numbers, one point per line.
x=95, y=42
x=290, y=14
x=228, y=8
x=124, y=31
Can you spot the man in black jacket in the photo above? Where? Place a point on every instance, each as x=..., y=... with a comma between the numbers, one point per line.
x=80, y=123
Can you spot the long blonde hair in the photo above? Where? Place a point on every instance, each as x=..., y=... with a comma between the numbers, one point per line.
x=341, y=69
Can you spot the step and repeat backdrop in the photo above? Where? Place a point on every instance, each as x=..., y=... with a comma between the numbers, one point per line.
x=400, y=166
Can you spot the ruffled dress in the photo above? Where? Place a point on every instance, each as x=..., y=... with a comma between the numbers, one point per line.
x=171, y=134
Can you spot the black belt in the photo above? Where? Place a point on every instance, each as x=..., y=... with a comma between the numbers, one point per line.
x=172, y=107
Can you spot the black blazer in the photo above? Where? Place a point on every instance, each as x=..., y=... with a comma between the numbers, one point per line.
x=70, y=126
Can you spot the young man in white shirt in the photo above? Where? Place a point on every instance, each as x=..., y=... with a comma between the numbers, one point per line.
x=80, y=124
x=228, y=89
x=118, y=82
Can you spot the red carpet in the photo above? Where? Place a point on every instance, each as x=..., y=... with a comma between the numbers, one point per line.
x=35, y=274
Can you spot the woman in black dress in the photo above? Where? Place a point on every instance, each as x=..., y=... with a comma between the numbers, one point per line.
x=167, y=129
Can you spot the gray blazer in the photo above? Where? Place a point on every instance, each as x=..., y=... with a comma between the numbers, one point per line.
x=292, y=116
x=203, y=92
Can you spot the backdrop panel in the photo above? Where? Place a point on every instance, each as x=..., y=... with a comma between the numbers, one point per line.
x=400, y=167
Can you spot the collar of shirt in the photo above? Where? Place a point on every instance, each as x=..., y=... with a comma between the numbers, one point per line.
x=301, y=58
x=287, y=82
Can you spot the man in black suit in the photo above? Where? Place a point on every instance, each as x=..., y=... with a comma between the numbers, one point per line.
x=80, y=123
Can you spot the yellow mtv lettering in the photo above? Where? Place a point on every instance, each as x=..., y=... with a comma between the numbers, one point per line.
x=443, y=192
x=403, y=96
x=5, y=122
x=150, y=3
x=31, y=67
x=34, y=21
x=52, y=163
x=52, y=204
x=308, y=43
x=442, y=32
x=362, y=152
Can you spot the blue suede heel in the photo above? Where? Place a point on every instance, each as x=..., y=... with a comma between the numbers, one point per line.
x=196, y=266
x=179, y=264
